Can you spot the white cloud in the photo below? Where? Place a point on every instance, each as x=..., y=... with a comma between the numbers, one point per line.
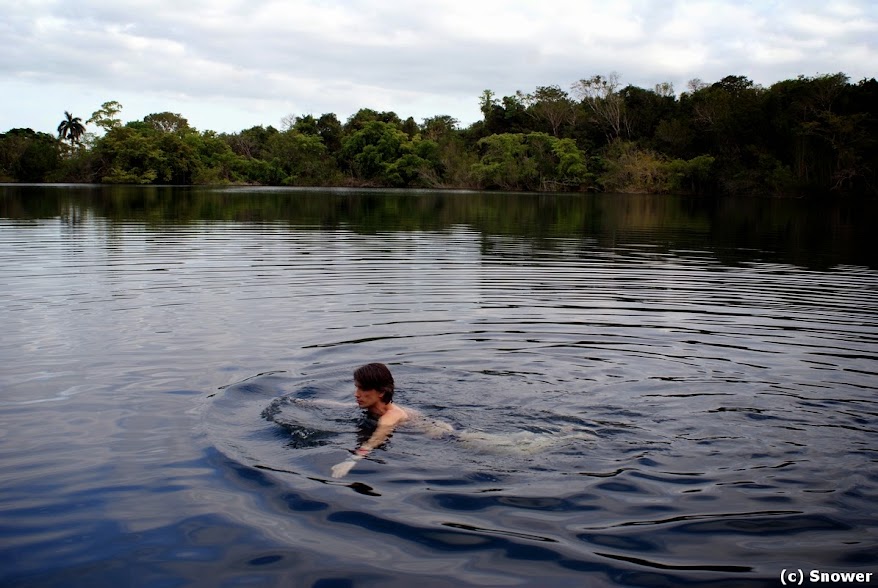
x=229, y=64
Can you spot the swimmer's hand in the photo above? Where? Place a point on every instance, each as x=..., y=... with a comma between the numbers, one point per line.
x=340, y=470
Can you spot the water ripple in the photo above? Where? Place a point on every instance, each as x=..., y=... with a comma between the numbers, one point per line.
x=625, y=412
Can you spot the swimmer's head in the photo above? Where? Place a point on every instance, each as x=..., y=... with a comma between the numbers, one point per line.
x=375, y=376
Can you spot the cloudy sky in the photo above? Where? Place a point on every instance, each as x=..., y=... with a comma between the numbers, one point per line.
x=227, y=65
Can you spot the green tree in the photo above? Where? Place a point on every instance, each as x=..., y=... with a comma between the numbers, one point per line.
x=141, y=153
x=454, y=165
x=129, y=155
x=628, y=168
x=572, y=169
x=167, y=122
x=382, y=154
x=508, y=115
x=730, y=122
x=419, y=165
x=822, y=134
x=178, y=161
x=71, y=128
x=645, y=110
x=533, y=161
x=439, y=127
x=364, y=116
x=27, y=156
x=551, y=105
x=250, y=143
x=409, y=127
x=367, y=152
x=299, y=159
x=693, y=176
x=331, y=131
x=218, y=164
x=106, y=117
x=307, y=125
x=502, y=162
x=487, y=101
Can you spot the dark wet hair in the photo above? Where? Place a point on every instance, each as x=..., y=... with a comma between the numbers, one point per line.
x=375, y=376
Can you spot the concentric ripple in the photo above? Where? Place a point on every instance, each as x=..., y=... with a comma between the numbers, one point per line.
x=631, y=404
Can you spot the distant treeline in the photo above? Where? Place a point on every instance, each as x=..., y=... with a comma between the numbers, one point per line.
x=806, y=136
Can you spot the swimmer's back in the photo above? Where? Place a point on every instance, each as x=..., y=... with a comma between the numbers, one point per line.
x=431, y=427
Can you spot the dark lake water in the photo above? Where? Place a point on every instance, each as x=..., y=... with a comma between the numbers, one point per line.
x=648, y=390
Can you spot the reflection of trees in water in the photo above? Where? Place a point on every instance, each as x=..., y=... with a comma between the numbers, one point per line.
x=72, y=215
x=806, y=233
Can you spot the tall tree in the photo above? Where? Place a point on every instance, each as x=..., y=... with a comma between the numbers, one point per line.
x=437, y=127
x=645, y=109
x=305, y=124
x=486, y=102
x=608, y=106
x=106, y=116
x=166, y=122
x=364, y=116
x=330, y=130
x=71, y=128
x=550, y=104
x=664, y=89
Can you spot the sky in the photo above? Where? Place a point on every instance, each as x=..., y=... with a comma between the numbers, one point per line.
x=228, y=65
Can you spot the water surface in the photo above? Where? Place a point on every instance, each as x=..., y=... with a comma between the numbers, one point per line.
x=687, y=388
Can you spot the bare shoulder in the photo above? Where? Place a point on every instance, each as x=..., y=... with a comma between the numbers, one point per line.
x=396, y=414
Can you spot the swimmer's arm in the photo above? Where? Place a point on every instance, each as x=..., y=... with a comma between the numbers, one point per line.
x=386, y=424
x=382, y=432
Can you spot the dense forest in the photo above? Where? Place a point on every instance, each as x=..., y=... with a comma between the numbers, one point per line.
x=805, y=136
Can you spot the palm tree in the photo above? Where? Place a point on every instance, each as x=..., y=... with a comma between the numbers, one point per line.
x=71, y=128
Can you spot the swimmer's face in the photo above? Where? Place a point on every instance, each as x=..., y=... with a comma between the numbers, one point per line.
x=366, y=398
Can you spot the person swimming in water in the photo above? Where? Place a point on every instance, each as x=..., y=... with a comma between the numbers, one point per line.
x=374, y=387
x=374, y=393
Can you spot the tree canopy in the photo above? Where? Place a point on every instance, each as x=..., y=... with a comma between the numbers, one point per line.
x=802, y=136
